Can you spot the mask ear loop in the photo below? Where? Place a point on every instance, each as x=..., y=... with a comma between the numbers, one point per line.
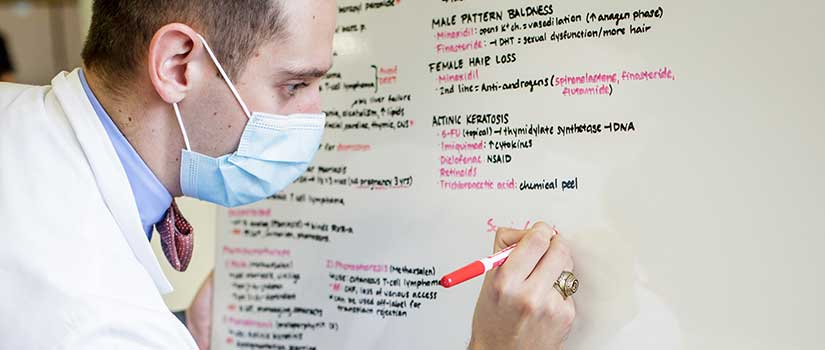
x=182, y=129
x=228, y=82
x=225, y=77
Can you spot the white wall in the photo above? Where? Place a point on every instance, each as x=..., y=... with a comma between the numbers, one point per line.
x=38, y=54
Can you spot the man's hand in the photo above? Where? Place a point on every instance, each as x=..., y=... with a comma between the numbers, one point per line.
x=518, y=308
x=199, y=314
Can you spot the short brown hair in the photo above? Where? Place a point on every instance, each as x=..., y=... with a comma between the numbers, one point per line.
x=121, y=31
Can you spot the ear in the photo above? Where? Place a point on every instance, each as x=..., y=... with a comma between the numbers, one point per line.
x=173, y=68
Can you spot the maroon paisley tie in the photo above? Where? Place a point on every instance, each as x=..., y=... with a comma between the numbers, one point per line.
x=176, y=238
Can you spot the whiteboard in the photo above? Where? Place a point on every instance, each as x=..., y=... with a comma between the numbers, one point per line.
x=676, y=144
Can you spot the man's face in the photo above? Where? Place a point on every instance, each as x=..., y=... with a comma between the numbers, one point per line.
x=281, y=77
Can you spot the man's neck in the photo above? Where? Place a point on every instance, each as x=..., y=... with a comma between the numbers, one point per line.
x=149, y=126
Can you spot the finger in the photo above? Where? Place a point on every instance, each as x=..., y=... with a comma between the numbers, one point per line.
x=557, y=259
x=506, y=237
x=527, y=254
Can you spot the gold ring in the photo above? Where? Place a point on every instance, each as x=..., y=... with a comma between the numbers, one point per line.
x=567, y=284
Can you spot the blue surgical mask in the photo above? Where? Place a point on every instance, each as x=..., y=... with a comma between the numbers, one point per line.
x=274, y=151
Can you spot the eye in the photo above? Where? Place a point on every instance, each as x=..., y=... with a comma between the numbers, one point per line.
x=292, y=89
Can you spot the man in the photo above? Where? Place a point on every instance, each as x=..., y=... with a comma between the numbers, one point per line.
x=6, y=66
x=92, y=163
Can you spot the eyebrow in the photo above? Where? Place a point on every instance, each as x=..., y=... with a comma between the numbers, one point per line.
x=312, y=72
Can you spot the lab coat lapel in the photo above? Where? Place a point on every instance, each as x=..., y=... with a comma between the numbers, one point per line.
x=109, y=174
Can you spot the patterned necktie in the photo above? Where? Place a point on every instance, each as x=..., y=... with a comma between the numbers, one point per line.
x=176, y=238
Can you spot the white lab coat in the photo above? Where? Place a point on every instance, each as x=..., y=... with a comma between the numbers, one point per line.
x=76, y=269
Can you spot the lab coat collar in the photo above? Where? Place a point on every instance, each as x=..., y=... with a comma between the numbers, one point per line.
x=109, y=174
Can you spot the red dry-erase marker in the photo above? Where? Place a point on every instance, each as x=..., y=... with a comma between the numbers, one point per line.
x=479, y=267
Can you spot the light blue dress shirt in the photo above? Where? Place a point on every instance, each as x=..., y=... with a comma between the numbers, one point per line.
x=151, y=196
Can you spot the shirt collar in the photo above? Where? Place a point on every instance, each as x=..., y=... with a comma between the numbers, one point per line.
x=151, y=196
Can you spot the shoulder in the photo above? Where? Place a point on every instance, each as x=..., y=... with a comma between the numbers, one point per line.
x=31, y=119
x=19, y=97
x=37, y=143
